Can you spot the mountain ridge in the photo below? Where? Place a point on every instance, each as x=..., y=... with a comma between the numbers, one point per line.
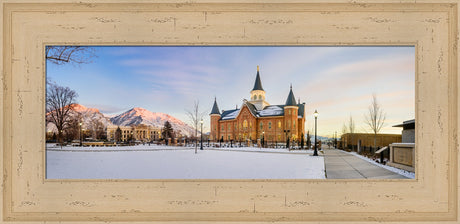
x=138, y=115
x=133, y=116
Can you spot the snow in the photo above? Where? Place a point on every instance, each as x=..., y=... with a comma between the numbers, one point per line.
x=137, y=115
x=271, y=111
x=167, y=162
x=405, y=173
x=81, y=109
x=403, y=143
x=231, y=115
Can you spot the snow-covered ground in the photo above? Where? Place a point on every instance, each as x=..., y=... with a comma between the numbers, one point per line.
x=405, y=173
x=167, y=162
x=154, y=147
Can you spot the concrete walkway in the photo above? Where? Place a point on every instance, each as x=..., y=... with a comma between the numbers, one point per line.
x=341, y=165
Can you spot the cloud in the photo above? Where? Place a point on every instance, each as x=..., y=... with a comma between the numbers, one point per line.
x=373, y=72
x=338, y=81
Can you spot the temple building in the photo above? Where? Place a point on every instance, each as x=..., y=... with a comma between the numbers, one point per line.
x=257, y=119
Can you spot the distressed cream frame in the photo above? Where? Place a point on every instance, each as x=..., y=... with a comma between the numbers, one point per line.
x=430, y=26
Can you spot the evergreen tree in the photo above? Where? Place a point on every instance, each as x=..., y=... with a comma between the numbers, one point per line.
x=118, y=134
x=302, y=141
x=167, y=131
x=308, y=140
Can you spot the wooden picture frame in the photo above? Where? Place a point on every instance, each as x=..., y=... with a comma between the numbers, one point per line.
x=430, y=26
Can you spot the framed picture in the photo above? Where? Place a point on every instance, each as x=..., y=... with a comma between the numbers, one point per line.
x=30, y=193
x=140, y=106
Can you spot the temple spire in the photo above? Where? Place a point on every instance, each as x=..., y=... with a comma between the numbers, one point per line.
x=215, y=108
x=290, y=101
x=258, y=83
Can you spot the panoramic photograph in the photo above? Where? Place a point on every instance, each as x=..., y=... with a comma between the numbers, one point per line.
x=230, y=112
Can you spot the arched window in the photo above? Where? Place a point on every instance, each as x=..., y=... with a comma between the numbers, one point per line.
x=279, y=124
x=245, y=124
x=289, y=124
x=269, y=125
x=261, y=126
x=260, y=97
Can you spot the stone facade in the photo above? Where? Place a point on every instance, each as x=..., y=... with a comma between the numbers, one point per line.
x=144, y=133
x=408, y=132
x=402, y=155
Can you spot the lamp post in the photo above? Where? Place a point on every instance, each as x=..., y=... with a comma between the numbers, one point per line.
x=315, y=153
x=335, y=140
x=201, y=135
x=80, y=134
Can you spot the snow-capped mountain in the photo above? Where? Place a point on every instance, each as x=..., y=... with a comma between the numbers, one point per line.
x=137, y=115
x=88, y=116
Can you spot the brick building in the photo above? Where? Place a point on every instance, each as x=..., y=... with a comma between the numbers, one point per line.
x=257, y=119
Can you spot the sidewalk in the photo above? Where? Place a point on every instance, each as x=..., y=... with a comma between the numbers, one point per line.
x=341, y=165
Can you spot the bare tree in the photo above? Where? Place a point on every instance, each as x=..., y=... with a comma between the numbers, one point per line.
x=73, y=128
x=351, y=130
x=375, y=118
x=69, y=54
x=97, y=128
x=195, y=117
x=59, y=106
x=344, y=129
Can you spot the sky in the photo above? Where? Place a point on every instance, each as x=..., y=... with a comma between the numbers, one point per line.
x=338, y=82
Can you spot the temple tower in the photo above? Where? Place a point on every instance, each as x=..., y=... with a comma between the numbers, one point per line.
x=258, y=94
x=215, y=116
x=290, y=116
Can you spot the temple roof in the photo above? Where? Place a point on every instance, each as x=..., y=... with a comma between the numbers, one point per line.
x=268, y=111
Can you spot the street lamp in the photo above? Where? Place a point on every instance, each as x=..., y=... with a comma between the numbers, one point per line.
x=80, y=134
x=335, y=140
x=201, y=142
x=315, y=153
